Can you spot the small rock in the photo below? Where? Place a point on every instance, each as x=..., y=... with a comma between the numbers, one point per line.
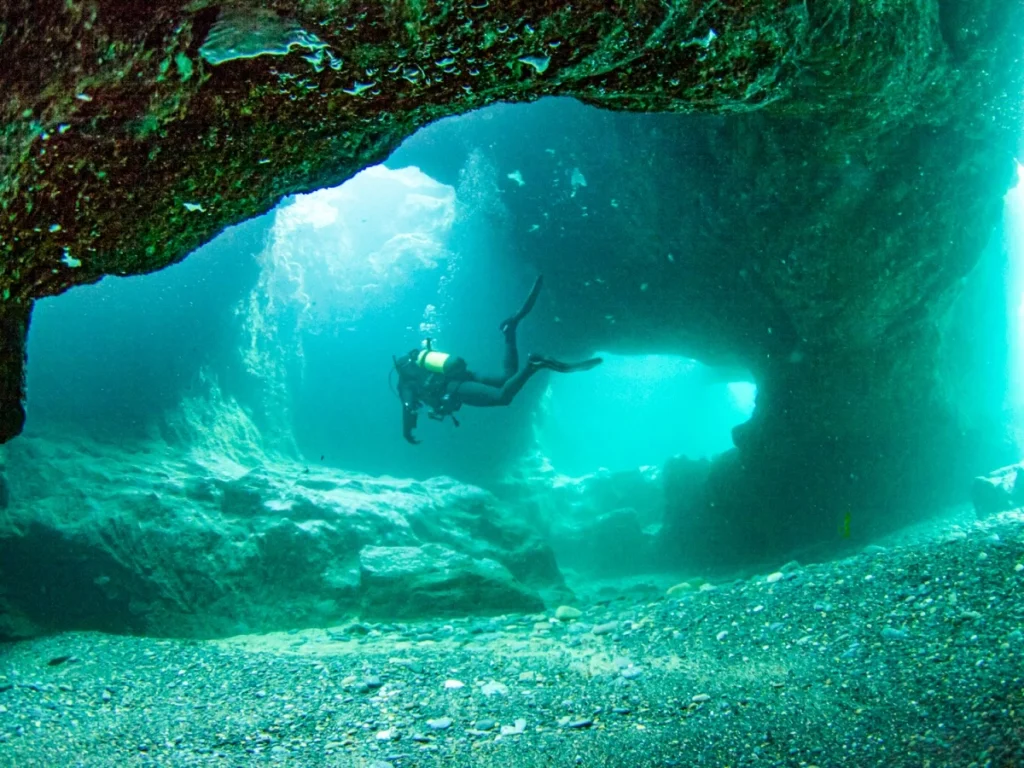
x=439, y=724
x=567, y=613
x=604, y=629
x=106, y=696
x=1018, y=567
x=485, y=725
x=700, y=698
x=771, y=578
x=372, y=682
x=527, y=677
x=891, y=633
x=631, y=672
x=494, y=688
x=680, y=589
x=387, y=735
x=513, y=730
x=722, y=635
x=454, y=685
x=873, y=549
x=581, y=723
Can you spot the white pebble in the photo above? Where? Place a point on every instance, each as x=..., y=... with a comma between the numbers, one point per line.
x=771, y=578
x=721, y=635
x=454, y=684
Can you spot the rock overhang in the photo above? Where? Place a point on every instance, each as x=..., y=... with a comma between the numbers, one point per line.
x=125, y=147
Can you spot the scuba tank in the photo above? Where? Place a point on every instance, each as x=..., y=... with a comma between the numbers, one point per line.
x=440, y=363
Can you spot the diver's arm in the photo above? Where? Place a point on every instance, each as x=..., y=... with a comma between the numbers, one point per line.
x=409, y=416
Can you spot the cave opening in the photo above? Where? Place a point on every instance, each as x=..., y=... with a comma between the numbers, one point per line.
x=293, y=319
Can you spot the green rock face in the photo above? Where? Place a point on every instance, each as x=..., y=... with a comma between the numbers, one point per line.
x=144, y=540
x=130, y=137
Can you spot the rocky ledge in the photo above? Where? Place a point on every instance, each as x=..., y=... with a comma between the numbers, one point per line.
x=147, y=541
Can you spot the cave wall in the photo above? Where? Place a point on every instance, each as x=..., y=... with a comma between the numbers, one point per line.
x=855, y=181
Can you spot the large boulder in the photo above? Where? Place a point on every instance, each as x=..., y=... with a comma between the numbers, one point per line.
x=432, y=580
x=998, y=491
x=146, y=540
x=599, y=525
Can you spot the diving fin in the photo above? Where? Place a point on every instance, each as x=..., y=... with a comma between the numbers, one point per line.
x=511, y=322
x=561, y=367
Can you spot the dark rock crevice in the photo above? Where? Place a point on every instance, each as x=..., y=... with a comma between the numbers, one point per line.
x=14, y=323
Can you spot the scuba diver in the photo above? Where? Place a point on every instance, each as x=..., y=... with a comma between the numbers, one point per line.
x=444, y=383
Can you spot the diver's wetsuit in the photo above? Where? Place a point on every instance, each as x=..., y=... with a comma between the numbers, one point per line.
x=446, y=392
x=484, y=391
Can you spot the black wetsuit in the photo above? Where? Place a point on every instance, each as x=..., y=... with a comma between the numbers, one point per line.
x=445, y=393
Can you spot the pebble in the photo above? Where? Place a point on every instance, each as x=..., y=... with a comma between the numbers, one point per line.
x=874, y=549
x=485, y=725
x=631, y=672
x=585, y=723
x=771, y=578
x=722, y=635
x=494, y=688
x=454, y=685
x=439, y=724
x=680, y=589
x=513, y=730
x=891, y=633
x=372, y=682
x=567, y=613
x=700, y=698
x=1018, y=567
x=604, y=629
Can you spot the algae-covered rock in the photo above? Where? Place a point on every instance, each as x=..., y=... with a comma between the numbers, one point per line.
x=144, y=540
x=998, y=491
x=432, y=580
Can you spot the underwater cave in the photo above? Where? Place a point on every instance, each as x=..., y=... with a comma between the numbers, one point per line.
x=791, y=234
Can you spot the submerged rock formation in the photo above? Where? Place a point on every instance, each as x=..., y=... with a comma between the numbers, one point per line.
x=148, y=541
x=599, y=525
x=832, y=227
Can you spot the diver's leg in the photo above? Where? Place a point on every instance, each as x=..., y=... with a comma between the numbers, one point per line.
x=513, y=321
x=510, y=364
x=483, y=396
x=508, y=329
